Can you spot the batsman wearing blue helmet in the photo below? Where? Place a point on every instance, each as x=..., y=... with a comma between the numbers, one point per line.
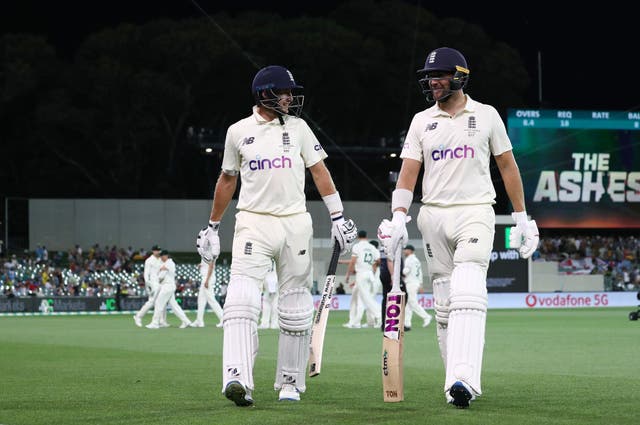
x=270, y=151
x=454, y=140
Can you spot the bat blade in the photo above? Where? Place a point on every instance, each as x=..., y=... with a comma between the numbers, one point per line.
x=392, y=349
x=392, y=340
x=319, y=326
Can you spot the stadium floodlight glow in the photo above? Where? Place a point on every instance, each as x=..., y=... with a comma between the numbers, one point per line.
x=393, y=155
x=208, y=150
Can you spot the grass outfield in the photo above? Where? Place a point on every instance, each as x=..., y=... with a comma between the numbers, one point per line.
x=541, y=367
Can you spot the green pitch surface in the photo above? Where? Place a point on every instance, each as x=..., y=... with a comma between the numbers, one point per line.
x=540, y=367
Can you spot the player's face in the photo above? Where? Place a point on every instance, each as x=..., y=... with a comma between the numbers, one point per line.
x=439, y=82
x=284, y=99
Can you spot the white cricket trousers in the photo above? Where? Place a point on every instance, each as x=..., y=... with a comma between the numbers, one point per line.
x=166, y=295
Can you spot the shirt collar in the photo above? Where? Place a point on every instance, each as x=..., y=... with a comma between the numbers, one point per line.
x=470, y=106
x=260, y=120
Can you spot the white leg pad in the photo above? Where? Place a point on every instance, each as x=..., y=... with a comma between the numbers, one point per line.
x=441, y=291
x=467, y=317
x=240, y=315
x=295, y=307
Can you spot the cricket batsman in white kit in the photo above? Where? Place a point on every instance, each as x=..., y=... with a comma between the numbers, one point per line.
x=454, y=139
x=270, y=151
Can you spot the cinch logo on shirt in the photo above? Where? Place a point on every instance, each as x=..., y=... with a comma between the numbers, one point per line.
x=453, y=153
x=267, y=164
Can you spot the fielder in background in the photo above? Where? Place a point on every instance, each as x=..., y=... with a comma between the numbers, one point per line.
x=166, y=293
x=412, y=272
x=269, y=319
x=270, y=150
x=206, y=295
x=151, y=268
x=455, y=139
x=365, y=259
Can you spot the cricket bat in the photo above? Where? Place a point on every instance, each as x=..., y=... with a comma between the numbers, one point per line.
x=392, y=344
x=322, y=314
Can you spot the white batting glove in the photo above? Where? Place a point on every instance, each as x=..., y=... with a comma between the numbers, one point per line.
x=393, y=234
x=208, y=242
x=343, y=231
x=524, y=235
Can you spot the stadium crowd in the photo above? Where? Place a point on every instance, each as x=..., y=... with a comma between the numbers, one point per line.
x=617, y=257
x=98, y=271
x=101, y=271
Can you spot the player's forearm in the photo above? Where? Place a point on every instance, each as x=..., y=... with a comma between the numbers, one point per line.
x=225, y=187
x=512, y=181
x=408, y=176
x=322, y=179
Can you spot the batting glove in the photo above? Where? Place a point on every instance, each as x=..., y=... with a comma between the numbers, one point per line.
x=524, y=236
x=208, y=242
x=393, y=234
x=343, y=231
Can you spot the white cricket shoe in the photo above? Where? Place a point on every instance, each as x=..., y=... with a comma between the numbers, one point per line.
x=197, y=324
x=238, y=393
x=426, y=322
x=289, y=392
x=185, y=325
x=152, y=326
x=165, y=325
x=137, y=320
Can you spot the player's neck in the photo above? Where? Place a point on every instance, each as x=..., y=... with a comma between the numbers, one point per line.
x=267, y=114
x=454, y=103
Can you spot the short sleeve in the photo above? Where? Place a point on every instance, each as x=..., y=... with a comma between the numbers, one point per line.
x=412, y=147
x=310, y=148
x=231, y=158
x=499, y=142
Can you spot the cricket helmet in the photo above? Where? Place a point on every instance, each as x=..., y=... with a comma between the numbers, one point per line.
x=444, y=59
x=271, y=80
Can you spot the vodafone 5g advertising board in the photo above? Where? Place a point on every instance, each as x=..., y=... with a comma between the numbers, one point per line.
x=539, y=300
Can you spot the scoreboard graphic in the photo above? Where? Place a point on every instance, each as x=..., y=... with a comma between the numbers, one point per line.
x=580, y=169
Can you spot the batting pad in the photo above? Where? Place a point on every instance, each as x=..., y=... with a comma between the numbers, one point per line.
x=295, y=307
x=467, y=317
x=441, y=289
x=240, y=315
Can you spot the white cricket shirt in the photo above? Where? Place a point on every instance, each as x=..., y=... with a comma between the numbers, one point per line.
x=412, y=270
x=151, y=266
x=456, y=153
x=168, y=275
x=366, y=254
x=271, y=159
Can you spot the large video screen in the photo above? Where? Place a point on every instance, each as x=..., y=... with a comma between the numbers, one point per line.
x=580, y=169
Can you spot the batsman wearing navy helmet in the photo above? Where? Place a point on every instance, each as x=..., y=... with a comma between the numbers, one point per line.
x=454, y=140
x=270, y=151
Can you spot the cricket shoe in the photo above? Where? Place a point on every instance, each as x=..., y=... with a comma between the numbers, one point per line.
x=289, y=392
x=152, y=326
x=461, y=395
x=184, y=325
x=137, y=320
x=237, y=393
x=197, y=324
x=165, y=325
